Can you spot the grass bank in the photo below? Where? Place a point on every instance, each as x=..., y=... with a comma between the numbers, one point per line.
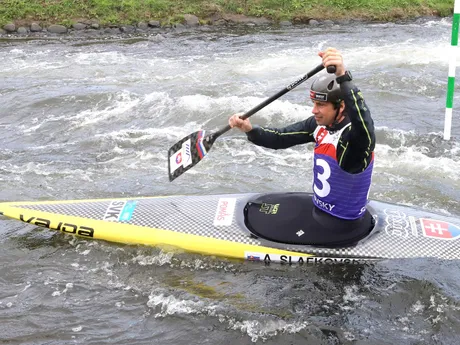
x=107, y=12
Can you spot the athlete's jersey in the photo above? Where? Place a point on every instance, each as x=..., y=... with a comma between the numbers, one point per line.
x=336, y=191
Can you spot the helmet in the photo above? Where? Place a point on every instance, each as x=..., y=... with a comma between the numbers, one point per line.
x=326, y=89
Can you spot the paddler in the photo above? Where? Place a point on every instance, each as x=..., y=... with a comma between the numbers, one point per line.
x=343, y=130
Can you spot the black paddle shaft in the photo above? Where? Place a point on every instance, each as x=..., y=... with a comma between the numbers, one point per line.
x=194, y=147
x=213, y=136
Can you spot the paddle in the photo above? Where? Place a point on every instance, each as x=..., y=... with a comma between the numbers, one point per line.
x=189, y=151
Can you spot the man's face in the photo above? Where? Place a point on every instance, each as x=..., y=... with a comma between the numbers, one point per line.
x=324, y=113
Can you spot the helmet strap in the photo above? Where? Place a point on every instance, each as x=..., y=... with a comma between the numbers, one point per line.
x=337, y=113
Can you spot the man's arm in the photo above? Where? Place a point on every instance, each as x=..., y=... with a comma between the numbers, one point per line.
x=361, y=138
x=281, y=138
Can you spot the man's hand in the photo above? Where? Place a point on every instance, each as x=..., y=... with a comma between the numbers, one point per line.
x=235, y=121
x=332, y=57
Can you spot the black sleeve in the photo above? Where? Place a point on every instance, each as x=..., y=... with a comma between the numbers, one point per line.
x=281, y=138
x=361, y=137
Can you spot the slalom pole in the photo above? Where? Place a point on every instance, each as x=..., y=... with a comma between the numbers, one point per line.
x=452, y=65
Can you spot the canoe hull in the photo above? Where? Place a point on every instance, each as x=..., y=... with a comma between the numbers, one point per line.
x=214, y=225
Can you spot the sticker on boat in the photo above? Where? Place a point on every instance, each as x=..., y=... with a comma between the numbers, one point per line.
x=439, y=229
x=224, y=212
x=120, y=210
x=295, y=259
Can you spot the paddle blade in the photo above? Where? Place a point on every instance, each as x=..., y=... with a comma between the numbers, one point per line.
x=188, y=152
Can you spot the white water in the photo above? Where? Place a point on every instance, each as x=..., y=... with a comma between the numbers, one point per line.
x=88, y=119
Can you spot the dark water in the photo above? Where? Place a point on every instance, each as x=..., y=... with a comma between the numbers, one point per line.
x=93, y=118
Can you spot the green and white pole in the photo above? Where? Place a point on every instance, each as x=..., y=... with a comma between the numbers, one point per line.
x=452, y=65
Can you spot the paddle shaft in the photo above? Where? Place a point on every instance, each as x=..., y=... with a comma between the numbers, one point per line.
x=195, y=152
x=271, y=99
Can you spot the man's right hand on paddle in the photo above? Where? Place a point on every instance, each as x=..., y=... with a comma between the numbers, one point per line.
x=235, y=121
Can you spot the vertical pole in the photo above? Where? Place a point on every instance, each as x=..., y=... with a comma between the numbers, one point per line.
x=452, y=65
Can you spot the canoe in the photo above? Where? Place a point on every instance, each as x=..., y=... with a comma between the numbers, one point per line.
x=218, y=225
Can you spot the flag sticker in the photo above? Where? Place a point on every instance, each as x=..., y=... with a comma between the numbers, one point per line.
x=181, y=158
x=199, y=145
x=252, y=256
x=318, y=96
x=175, y=161
x=439, y=229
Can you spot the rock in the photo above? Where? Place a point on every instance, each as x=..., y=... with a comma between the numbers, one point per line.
x=95, y=26
x=328, y=22
x=191, y=20
x=313, y=22
x=219, y=22
x=57, y=29
x=344, y=22
x=2, y=32
x=128, y=29
x=142, y=26
x=22, y=30
x=79, y=26
x=154, y=24
x=34, y=27
x=215, y=17
x=179, y=26
x=87, y=22
x=285, y=23
x=9, y=27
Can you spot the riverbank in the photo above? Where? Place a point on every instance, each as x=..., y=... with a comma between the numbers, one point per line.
x=58, y=16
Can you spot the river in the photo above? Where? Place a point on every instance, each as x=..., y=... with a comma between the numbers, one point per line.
x=94, y=117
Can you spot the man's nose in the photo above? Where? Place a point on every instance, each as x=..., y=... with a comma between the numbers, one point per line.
x=315, y=109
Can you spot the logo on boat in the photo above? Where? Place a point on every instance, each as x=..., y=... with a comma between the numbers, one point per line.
x=269, y=208
x=120, y=210
x=252, y=257
x=439, y=229
x=267, y=258
x=68, y=228
x=399, y=224
x=224, y=212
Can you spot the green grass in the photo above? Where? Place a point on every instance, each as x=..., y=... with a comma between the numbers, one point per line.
x=133, y=11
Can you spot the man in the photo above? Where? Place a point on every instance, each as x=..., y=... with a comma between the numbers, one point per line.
x=343, y=130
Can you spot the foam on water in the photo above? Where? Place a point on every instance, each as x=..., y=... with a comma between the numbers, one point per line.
x=46, y=169
x=99, y=58
x=259, y=330
x=393, y=54
x=96, y=121
x=228, y=105
x=168, y=305
x=24, y=54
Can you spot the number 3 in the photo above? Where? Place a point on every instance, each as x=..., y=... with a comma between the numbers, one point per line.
x=323, y=192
